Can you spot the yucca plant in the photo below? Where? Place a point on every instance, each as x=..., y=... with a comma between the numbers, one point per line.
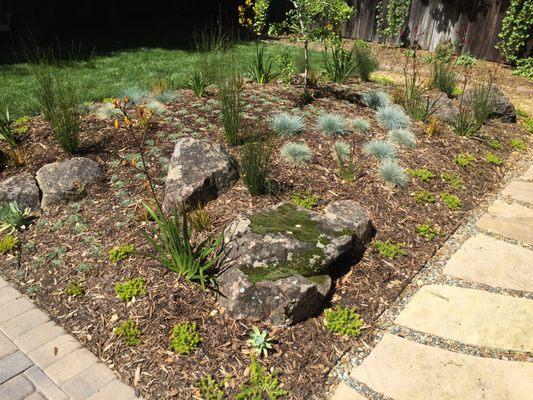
x=341, y=64
x=261, y=66
x=12, y=218
x=199, y=83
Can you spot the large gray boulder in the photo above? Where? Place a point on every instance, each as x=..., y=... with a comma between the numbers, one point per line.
x=281, y=259
x=199, y=171
x=61, y=182
x=22, y=189
x=445, y=110
x=502, y=108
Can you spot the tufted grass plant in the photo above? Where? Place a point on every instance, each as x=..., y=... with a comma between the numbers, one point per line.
x=343, y=321
x=230, y=101
x=287, y=125
x=367, y=62
x=392, y=117
x=392, y=173
x=255, y=167
x=376, y=99
x=296, y=153
x=343, y=153
x=403, y=137
x=361, y=125
x=134, y=94
x=332, y=124
x=380, y=149
x=107, y=111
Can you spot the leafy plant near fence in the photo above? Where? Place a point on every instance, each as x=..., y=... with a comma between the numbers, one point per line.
x=390, y=16
x=516, y=29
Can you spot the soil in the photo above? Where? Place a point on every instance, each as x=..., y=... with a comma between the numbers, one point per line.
x=71, y=243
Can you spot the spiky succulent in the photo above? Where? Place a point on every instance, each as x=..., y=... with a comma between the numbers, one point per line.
x=260, y=341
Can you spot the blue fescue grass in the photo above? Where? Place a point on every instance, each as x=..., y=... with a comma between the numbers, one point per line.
x=332, y=124
x=392, y=117
x=296, y=153
x=361, y=125
x=380, y=149
x=286, y=125
x=376, y=99
x=392, y=173
x=403, y=137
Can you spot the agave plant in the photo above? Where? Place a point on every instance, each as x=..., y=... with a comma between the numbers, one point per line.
x=260, y=341
x=11, y=217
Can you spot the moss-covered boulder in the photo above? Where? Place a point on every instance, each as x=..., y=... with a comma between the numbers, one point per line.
x=281, y=259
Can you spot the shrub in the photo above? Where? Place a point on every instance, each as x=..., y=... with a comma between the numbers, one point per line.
x=131, y=288
x=261, y=384
x=74, y=289
x=332, y=124
x=305, y=199
x=465, y=60
x=451, y=201
x=198, y=83
x=287, y=125
x=229, y=98
x=493, y=159
x=121, y=252
x=524, y=68
x=427, y=231
x=344, y=156
x=129, y=332
x=365, y=59
x=393, y=173
x=260, y=341
x=185, y=338
x=8, y=243
x=341, y=64
x=376, y=99
x=261, y=68
x=403, y=137
x=423, y=174
x=517, y=144
x=11, y=218
x=255, y=167
x=296, y=153
x=423, y=196
x=464, y=159
x=344, y=321
x=380, y=149
x=210, y=389
x=286, y=67
x=452, y=179
x=444, y=77
x=390, y=250
x=107, y=111
x=361, y=125
x=392, y=117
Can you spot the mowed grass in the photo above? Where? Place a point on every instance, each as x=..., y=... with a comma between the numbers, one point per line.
x=106, y=76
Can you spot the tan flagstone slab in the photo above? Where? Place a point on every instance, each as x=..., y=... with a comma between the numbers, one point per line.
x=521, y=191
x=405, y=370
x=493, y=262
x=345, y=392
x=471, y=316
x=528, y=175
x=511, y=220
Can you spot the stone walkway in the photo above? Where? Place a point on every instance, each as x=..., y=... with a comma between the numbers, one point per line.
x=38, y=360
x=465, y=331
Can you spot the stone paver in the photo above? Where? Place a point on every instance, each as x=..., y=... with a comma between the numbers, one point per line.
x=38, y=336
x=345, y=392
x=486, y=260
x=44, y=384
x=88, y=382
x=54, y=350
x=6, y=346
x=12, y=365
x=115, y=390
x=471, y=316
x=405, y=370
x=17, y=388
x=7, y=294
x=511, y=220
x=528, y=175
x=35, y=396
x=23, y=323
x=70, y=366
x=521, y=191
x=14, y=308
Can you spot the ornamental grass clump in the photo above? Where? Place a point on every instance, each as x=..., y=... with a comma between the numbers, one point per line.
x=376, y=99
x=367, y=62
x=392, y=173
x=107, y=111
x=403, y=137
x=392, y=117
x=332, y=124
x=287, y=125
x=230, y=101
x=361, y=125
x=296, y=153
x=343, y=321
x=255, y=167
x=380, y=149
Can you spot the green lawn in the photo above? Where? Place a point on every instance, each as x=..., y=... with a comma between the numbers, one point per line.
x=106, y=76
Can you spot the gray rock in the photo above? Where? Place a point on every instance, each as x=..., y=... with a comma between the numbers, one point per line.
x=199, y=171
x=22, y=189
x=502, y=108
x=61, y=182
x=281, y=259
x=445, y=110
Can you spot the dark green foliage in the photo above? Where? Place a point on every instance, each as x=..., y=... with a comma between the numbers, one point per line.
x=344, y=321
x=366, y=61
x=465, y=124
x=482, y=102
x=340, y=64
x=229, y=98
x=129, y=333
x=261, y=68
x=199, y=83
x=185, y=338
x=261, y=384
x=65, y=117
x=131, y=288
x=389, y=249
x=255, y=167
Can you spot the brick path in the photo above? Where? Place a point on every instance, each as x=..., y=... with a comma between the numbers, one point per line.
x=38, y=360
x=470, y=334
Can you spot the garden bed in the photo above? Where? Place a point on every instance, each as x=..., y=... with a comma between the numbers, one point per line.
x=70, y=244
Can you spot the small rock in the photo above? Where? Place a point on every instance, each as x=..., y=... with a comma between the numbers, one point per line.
x=22, y=189
x=199, y=171
x=62, y=182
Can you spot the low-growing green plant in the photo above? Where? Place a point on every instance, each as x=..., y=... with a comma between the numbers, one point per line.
x=495, y=144
x=185, y=338
x=229, y=98
x=380, y=149
x=340, y=64
x=524, y=68
x=493, y=159
x=376, y=99
x=366, y=61
x=121, y=252
x=517, y=144
x=261, y=69
x=427, y=231
x=423, y=196
x=464, y=159
x=451, y=201
x=343, y=321
x=452, y=179
x=8, y=243
x=390, y=250
x=423, y=174
x=444, y=77
x=198, y=83
x=129, y=332
x=332, y=124
x=465, y=60
x=403, y=137
x=392, y=117
x=255, y=167
x=260, y=341
x=305, y=199
x=285, y=66
x=12, y=218
x=75, y=289
x=361, y=125
x=392, y=173
x=131, y=288
x=286, y=125
x=296, y=153
x=210, y=388
x=261, y=385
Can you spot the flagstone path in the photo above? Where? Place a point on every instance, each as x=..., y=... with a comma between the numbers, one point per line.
x=467, y=331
